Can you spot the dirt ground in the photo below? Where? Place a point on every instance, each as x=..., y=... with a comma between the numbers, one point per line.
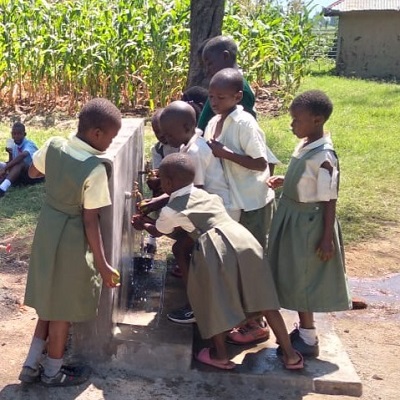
x=371, y=337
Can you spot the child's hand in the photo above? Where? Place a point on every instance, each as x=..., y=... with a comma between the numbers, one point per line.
x=110, y=276
x=144, y=206
x=138, y=222
x=218, y=149
x=275, y=181
x=325, y=250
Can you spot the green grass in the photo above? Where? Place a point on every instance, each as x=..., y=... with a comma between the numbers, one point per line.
x=365, y=128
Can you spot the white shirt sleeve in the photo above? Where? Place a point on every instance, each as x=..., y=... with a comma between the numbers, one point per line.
x=252, y=140
x=169, y=219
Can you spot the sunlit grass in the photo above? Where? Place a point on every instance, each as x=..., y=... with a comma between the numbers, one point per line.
x=365, y=130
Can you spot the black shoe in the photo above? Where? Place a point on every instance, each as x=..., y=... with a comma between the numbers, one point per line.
x=301, y=346
x=30, y=375
x=182, y=316
x=67, y=376
x=2, y=193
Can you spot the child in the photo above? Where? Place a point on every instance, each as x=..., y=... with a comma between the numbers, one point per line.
x=218, y=53
x=178, y=122
x=63, y=284
x=19, y=159
x=305, y=248
x=161, y=148
x=235, y=137
x=196, y=96
x=228, y=275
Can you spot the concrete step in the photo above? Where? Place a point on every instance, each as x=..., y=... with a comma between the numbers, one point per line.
x=148, y=344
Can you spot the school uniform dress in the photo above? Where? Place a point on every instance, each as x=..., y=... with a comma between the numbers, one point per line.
x=209, y=172
x=249, y=193
x=228, y=275
x=304, y=282
x=63, y=283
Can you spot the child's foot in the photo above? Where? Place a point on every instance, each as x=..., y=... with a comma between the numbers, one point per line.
x=30, y=375
x=296, y=363
x=252, y=332
x=183, y=315
x=67, y=376
x=301, y=346
x=204, y=357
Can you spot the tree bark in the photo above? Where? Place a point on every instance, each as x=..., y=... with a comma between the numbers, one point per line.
x=206, y=18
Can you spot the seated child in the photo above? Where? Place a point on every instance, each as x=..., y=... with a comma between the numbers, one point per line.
x=305, y=247
x=15, y=171
x=196, y=96
x=228, y=275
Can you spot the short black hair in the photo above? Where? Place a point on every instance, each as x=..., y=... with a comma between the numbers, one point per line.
x=98, y=113
x=220, y=44
x=18, y=126
x=179, y=112
x=196, y=96
x=179, y=167
x=228, y=77
x=316, y=101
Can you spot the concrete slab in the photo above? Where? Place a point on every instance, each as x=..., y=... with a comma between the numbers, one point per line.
x=148, y=344
x=332, y=373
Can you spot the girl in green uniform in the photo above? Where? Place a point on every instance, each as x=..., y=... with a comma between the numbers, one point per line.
x=67, y=259
x=305, y=247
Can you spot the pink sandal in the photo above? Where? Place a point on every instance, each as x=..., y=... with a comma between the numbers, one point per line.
x=298, y=365
x=204, y=357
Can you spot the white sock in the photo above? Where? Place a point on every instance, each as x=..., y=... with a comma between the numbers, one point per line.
x=5, y=185
x=35, y=353
x=309, y=336
x=52, y=366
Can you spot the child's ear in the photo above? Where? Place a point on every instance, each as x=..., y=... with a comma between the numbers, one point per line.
x=239, y=96
x=319, y=120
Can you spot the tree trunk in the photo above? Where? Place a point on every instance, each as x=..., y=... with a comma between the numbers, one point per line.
x=205, y=22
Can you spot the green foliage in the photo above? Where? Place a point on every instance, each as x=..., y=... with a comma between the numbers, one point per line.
x=135, y=52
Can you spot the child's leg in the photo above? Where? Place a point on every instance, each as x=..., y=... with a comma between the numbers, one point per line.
x=217, y=356
x=38, y=344
x=290, y=356
x=308, y=332
x=182, y=250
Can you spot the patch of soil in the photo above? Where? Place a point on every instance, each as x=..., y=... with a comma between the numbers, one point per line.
x=371, y=337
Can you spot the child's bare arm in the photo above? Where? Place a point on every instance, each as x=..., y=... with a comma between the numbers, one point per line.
x=275, y=181
x=141, y=222
x=34, y=173
x=221, y=151
x=156, y=203
x=92, y=229
x=326, y=247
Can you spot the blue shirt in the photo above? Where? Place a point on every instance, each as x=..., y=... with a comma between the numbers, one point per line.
x=26, y=145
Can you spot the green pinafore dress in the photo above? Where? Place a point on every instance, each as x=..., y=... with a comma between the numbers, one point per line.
x=229, y=276
x=63, y=284
x=303, y=281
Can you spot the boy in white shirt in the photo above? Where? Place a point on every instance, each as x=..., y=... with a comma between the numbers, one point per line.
x=235, y=137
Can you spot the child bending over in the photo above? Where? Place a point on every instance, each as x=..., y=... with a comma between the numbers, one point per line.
x=305, y=248
x=67, y=264
x=228, y=275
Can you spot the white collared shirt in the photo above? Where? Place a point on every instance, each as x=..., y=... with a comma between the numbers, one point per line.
x=241, y=134
x=169, y=219
x=317, y=184
x=209, y=172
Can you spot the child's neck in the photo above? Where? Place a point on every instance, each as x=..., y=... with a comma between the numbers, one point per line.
x=314, y=137
x=225, y=114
